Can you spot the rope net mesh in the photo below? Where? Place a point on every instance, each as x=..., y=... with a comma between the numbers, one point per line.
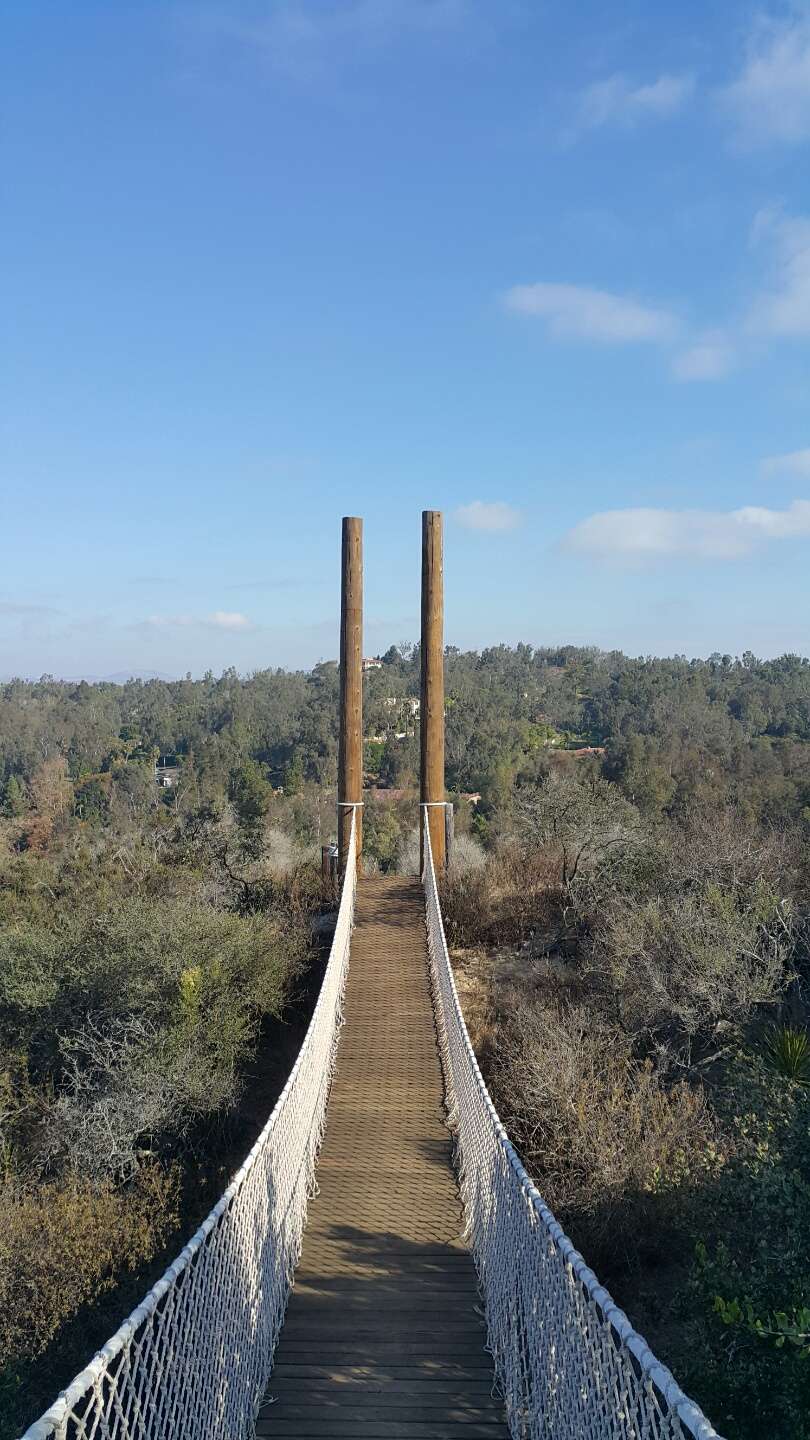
x=567, y=1359
x=195, y=1357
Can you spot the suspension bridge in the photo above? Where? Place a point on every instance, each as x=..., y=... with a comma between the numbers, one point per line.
x=382, y=1266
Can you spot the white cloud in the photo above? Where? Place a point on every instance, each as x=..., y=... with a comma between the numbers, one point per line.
x=488, y=515
x=648, y=534
x=218, y=620
x=783, y=308
x=710, y=357
x=616, y=101
x=797, y=462
x=228, y=620
x=770, y=99
x=578, y=312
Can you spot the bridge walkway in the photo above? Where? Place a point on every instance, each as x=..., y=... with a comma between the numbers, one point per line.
x=384, y=1338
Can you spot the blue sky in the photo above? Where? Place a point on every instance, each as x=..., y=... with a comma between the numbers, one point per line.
x=544, y=267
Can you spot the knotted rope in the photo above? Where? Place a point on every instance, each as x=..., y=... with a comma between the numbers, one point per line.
x=195, y=1357
x=568, y=1361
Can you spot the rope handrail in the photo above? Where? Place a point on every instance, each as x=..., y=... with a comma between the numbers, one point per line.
x=195, y=1356
x=567, y=1359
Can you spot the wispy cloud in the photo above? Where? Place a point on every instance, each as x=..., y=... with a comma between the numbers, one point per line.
x=305, y=38
x=231, y=620
x=780, y=308
x=710, y=357
x=648, y=534
x=797, y=462
x=492, y=515
x=581, y=313
x=769, y=101
x=783, y=307
x=17, y=611
x=616, y=101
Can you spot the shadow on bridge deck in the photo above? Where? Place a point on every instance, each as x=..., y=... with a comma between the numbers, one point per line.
x=384, y=1335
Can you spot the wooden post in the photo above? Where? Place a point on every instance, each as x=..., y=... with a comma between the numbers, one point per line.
x=350, y=753
x=432, y=703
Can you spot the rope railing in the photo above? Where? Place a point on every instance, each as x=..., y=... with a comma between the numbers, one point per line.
x=194, y=1358
x=567, y=1360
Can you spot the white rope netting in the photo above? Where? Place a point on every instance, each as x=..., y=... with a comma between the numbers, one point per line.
x=195, y=1357
x=568, y=1361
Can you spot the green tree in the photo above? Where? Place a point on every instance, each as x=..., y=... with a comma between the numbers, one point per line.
x=294, y=774
x=15, y=800
x=382, y=833
x=372, y=756
x=91, y=799
x=249, y=793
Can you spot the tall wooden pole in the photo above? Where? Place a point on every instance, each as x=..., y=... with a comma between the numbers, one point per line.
x=350, y=753
x=432, y=703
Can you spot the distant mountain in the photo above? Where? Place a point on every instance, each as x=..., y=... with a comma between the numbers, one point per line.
x=119, y=678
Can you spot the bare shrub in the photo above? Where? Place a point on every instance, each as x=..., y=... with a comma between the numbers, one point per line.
x=475, y=984
x=466, y=856
x=580, y=820
x=603, y=1132
x=684, y=963
x=514, y=898
x=408, y=855
x=692, y=930
x=280, y=854
x=127, y=1083
x=467, y=907
x=65, y=1245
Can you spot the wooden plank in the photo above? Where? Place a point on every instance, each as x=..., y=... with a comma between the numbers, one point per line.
x=374, y=1410
x=384, y=1336
x=378, y=1428
x=397, y=1350
x=366, y=1332
x=385, y=1371
x=394, y=1391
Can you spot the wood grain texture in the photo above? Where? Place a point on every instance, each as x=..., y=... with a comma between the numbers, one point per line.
x=350, y=742
x=431, y=707
x=384, y=1335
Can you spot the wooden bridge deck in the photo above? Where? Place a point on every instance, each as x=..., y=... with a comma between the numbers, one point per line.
x=383, y=1338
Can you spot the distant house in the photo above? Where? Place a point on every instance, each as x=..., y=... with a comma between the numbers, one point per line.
x=405, y=711
x=408, y=705
x=167, y=775
x=375, y=663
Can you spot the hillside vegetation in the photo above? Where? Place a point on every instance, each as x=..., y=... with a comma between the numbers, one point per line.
x=628, y=902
